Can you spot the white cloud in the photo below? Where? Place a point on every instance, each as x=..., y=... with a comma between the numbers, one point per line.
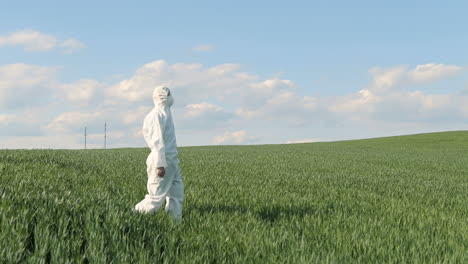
x=203, y=48
x=235, y=137
x=25, y=121
x=24, y=75
x=72, y=141
x=71, y=45
x=32, y=40
x=202, y=115
x=142, y=83
x=385, y=79
x=135, y=116
x=197, y=110
x=356, y=105
x=32, y=95
x=390, y=78
x=74, y=121
x=217, y=104
x=99, y=137
x=6, y=119
x=271, y=100
x=192, y=80
x=309, y=140
x=383, y=100
x=224, y=84
x=279, y=103
x=417, y=106
x=24, y=84
x=431, y=72
x=81, y=91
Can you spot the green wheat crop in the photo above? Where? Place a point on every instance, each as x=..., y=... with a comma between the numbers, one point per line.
x=386, y=200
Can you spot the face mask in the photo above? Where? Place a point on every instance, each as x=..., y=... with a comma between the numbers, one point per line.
x=170, y=100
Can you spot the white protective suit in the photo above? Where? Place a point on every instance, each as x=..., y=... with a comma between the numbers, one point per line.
x=158, y=131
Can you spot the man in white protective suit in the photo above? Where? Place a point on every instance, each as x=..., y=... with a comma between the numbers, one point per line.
x=164, y=179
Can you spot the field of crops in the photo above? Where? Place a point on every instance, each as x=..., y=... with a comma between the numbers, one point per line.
x=386, y=200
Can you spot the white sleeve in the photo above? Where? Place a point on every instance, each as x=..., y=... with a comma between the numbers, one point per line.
x=153, y=132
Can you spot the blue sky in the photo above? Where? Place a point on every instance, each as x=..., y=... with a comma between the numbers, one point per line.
x=407, y=54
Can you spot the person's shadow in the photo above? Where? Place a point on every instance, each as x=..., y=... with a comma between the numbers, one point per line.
x=268, y=213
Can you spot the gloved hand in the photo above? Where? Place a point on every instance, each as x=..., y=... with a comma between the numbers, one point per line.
x=161, y=172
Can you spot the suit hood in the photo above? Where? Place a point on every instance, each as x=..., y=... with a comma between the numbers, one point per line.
x=162, y=97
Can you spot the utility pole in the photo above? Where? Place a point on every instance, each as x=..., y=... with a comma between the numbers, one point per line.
x=105, y=135
x=84, y=137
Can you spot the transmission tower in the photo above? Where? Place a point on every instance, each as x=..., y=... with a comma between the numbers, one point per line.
x=84, y=137
x=105, y=135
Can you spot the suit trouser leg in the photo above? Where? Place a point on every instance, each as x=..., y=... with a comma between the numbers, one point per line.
x=169, y=188
x=175, y=196
x=158, y=188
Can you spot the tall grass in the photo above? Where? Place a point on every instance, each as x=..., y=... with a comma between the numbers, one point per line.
x=386, y=200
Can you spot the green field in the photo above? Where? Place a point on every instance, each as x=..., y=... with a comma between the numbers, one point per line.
x=387, y=200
